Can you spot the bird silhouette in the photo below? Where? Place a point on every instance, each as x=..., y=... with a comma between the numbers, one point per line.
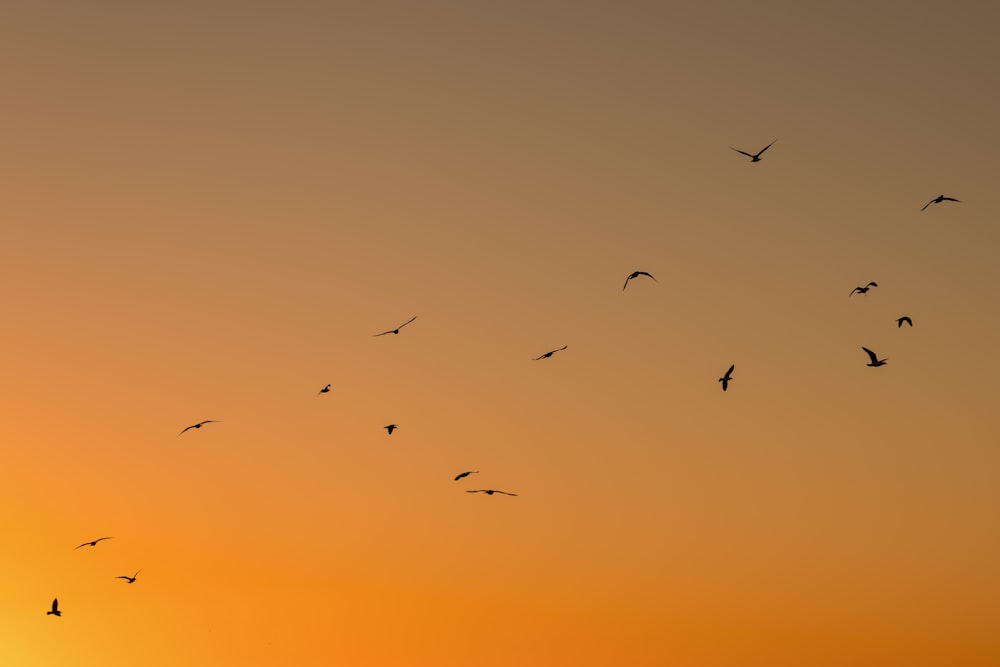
x=875, y=361
x=198, y=425
x=55, y=608
x=755, y=157
x=131, y=579
x=396, y=330
x=324, y=390
x=549, y=354
x=727, y=378
x=904, y=318
x=636, y=274
x=938, y=200
x=465, y=474
x=92, y=543
x=863, y=290
x=490, y=492
x=390, y=428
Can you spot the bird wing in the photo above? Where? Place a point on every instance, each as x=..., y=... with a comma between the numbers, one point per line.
x=55, y=604
x=506, y=494
x=185, y=431
x=765, y=148
x=731, y=369
x=871, y=354
x=476, y=491
x=646, y=273
x=950, y=199
x=461, y=475
x=744, y=152
x=872, y=284
x=928, y=204
x=626, y=282
x=406, y=322
x=382, y=334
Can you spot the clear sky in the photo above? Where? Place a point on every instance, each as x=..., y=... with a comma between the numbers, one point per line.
x=209, y=208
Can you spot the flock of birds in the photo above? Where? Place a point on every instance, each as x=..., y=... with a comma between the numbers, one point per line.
x=725, y=380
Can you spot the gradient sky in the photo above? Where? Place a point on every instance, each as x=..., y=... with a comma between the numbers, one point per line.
x=209, y=208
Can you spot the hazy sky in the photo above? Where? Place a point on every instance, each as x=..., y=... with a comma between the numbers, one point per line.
x=210, y=208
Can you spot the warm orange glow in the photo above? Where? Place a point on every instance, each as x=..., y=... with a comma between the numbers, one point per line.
x=210, y=210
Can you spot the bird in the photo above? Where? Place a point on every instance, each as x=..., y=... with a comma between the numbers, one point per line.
x=130, y=579
x=727, y=378
x=490, y=492
x=55, y=608
x=465, y=474
x=904, y=318
x=875, y=360
x=396, y=330
x=323, y=390
x=754, y=157
x=636, y=274
x=198, y=425
x=863, y=290
x=938, y=200
x=390, y=428
x=92, y=543
x=549, y=354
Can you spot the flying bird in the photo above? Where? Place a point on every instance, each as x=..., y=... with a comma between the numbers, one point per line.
x=549, y=354
x=91, y=544
x=636, y=274
x=198, y=425
x=875, y=360
x=55, y=608
x=490, y=492
x=727, y=378
x=863, y=290
x=938, y=200
x=754, y=157
x=390, y=428
x=465, y=474
x=324, y=390
x=131, y=579
x=396, y=330
x=904, y=318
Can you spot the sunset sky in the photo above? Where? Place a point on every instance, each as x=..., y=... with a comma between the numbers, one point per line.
x=209, y=208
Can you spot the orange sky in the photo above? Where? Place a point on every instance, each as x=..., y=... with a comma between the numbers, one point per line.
x=210, y=208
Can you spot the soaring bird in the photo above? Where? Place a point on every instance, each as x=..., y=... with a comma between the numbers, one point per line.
x=636, y=274
x=490, y=492
x=549, y=354
x=91, y=544
x=863, y=290
x=390, y=428
x=754, y=157
x=198, y=425
x=324, y=390
x=938, y=200
x=727, y=378
x=465, y=474
x=131, y=579
x=55, y=608
x=904, y=318
x=396, y=330
x=875, y=360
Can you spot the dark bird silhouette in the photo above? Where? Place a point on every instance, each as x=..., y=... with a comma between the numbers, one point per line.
x=875, y=361
x=91, y=544
x=396, y=330
x=131, y=579
x=198, y=425
x=904, y=318
x=390, y=428
x=863, y=290
x=55, y=608
x=727, y=378
x=490, y=492
x=756, y=156
x=549, y=354
x=636, y=274
x=465, y=474
x=324, y=390
x=938, y=200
